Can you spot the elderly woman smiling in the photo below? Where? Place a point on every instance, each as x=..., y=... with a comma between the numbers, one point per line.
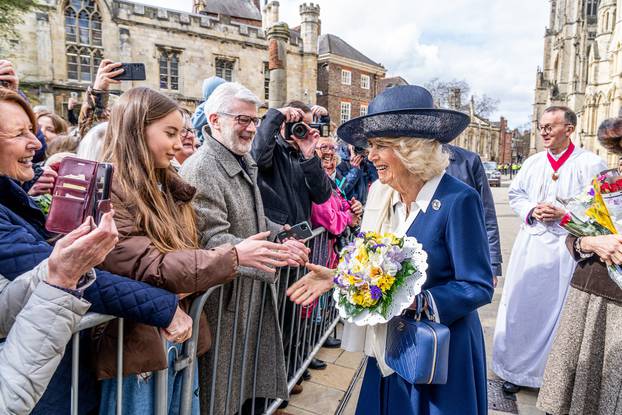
x=414, y=197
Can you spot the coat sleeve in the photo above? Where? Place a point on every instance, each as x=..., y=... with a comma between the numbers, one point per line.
x=35, y=346
x=214, y=226
x=110, y=294
x=182, y=271
x=490, y=215
x=518, y=196
x=467, y=246
x=316, y=179
x=263, y=145
x=352, y=177
x=330, y=217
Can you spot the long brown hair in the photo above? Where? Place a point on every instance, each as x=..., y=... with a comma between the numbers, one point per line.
x=170, y=226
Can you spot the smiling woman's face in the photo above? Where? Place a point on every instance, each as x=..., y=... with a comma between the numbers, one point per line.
x=18, y=144
x=163, y=138
x=390, y=167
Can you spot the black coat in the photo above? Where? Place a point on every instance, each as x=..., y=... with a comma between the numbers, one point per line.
x=467, y=166
x=288, y=183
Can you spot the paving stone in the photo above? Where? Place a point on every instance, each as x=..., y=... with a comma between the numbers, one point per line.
x=333, y=376
x=317, y=399
x=329, y=355
x=293, y=410
x=350, y=408
x=350, y=359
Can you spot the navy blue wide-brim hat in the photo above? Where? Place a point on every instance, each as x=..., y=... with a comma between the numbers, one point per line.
x=404, y=111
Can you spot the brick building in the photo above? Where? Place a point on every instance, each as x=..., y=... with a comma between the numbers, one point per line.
x=346, y=79
x=62, y=43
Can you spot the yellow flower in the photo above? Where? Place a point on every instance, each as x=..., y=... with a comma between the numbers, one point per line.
x=391, y=237
x=386, y=282
x=375, y=273
x=352, y=279
x=361, y=255
x=363, y=297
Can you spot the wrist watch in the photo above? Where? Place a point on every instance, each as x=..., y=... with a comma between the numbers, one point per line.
x=577, y=247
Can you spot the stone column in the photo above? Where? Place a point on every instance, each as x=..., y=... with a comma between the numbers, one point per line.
x=278, y=36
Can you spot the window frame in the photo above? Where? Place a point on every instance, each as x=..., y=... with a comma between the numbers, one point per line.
x=361, y=112
x=346, y=77
x=366, y=85
x=168, y=68
x=84, y=49
x=223, y=73
x=348, y=106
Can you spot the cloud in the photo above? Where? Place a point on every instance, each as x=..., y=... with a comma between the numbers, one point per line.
x=495, y=45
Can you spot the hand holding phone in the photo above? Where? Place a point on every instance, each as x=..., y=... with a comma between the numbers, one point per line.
x=299, y=231
x=131, y=72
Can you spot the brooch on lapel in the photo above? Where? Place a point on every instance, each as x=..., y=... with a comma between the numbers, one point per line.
x=436, y=204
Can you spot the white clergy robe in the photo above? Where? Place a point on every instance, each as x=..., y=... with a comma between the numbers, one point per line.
x=540, y=268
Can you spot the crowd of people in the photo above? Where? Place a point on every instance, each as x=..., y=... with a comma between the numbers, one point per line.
x=198, y=199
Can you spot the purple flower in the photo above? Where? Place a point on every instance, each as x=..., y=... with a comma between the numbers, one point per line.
x=376, y=292
x=591, y=192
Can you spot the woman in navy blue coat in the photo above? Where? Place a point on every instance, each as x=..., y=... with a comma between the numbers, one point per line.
x=415, y=197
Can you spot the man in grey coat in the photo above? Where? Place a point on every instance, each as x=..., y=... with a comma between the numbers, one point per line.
x=41, y=309
x=229, y=208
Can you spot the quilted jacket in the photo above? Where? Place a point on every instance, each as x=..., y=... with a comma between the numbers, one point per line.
x=37, y=321
x=23, y=244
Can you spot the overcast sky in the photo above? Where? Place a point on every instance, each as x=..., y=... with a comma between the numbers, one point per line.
x=495, y=45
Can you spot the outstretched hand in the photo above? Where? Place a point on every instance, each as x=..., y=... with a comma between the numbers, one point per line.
x=312, y=285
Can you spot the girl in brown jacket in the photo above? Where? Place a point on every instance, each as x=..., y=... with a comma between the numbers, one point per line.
x=158, y=244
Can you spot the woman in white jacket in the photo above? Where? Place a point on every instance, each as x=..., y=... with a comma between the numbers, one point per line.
x=40, y=310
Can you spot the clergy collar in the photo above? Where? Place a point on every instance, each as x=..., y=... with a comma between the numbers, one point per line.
x=425, y=194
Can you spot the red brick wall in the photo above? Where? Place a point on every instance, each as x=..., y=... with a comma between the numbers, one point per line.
x=505, y=142
x=334, y=92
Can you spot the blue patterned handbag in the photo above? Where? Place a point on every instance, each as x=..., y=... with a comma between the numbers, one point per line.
x=417, y=347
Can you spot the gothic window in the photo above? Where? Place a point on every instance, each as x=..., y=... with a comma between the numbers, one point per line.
x=224, y=69
x=169, y=69
x=591, y=7
x=83, y=39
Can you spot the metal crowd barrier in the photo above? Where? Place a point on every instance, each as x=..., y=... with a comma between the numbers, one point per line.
x=302, y=330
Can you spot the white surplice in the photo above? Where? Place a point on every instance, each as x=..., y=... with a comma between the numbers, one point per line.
x=540, y=268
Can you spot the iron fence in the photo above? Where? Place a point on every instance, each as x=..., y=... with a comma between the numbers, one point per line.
x=301, y=330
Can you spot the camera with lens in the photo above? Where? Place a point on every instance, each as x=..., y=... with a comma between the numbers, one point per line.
x=300, y=130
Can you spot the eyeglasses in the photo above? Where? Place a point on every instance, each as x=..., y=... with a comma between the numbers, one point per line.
x=243, y=120
x=549, y=127
x=185, y=132
x=327, y=147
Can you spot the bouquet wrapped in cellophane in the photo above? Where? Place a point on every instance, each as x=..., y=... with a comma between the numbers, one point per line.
x=378, y=276
x=598, y=211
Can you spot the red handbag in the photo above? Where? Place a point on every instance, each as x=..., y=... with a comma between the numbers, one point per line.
x=82, y=189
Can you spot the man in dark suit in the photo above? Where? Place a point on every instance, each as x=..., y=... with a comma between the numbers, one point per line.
x=467, y=166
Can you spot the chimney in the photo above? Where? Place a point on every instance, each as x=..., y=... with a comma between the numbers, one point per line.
x=270, y=14
x=309, y=27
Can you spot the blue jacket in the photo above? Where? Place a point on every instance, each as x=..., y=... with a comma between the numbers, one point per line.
x=355, y=181
x=23, y=244
x=467, y=166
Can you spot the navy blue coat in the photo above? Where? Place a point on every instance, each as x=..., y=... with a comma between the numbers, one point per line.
x=459, y=277
x=23, y=245
x=467, y=166
x=355, y=181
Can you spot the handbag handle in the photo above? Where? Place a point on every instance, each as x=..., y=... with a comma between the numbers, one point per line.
x=419, y=310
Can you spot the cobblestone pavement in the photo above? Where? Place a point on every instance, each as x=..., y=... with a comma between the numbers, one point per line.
x=323, y=393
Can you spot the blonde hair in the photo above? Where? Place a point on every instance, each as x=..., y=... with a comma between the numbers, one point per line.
x=169, y=225
x=62, y=144
x=422, y=157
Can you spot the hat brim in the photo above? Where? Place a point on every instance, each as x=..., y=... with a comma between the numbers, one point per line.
x=434, y=124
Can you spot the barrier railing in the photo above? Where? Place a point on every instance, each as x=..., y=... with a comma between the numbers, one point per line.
x=240, y=314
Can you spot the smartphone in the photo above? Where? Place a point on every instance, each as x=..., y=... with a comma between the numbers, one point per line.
x=300, y=231
x=102, y=189
x=132, y=72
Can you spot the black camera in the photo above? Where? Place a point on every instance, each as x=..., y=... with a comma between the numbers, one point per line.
x=300, y=130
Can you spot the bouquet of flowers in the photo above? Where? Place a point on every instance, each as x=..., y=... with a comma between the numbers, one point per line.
x=598, y=211
x=378, y=276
